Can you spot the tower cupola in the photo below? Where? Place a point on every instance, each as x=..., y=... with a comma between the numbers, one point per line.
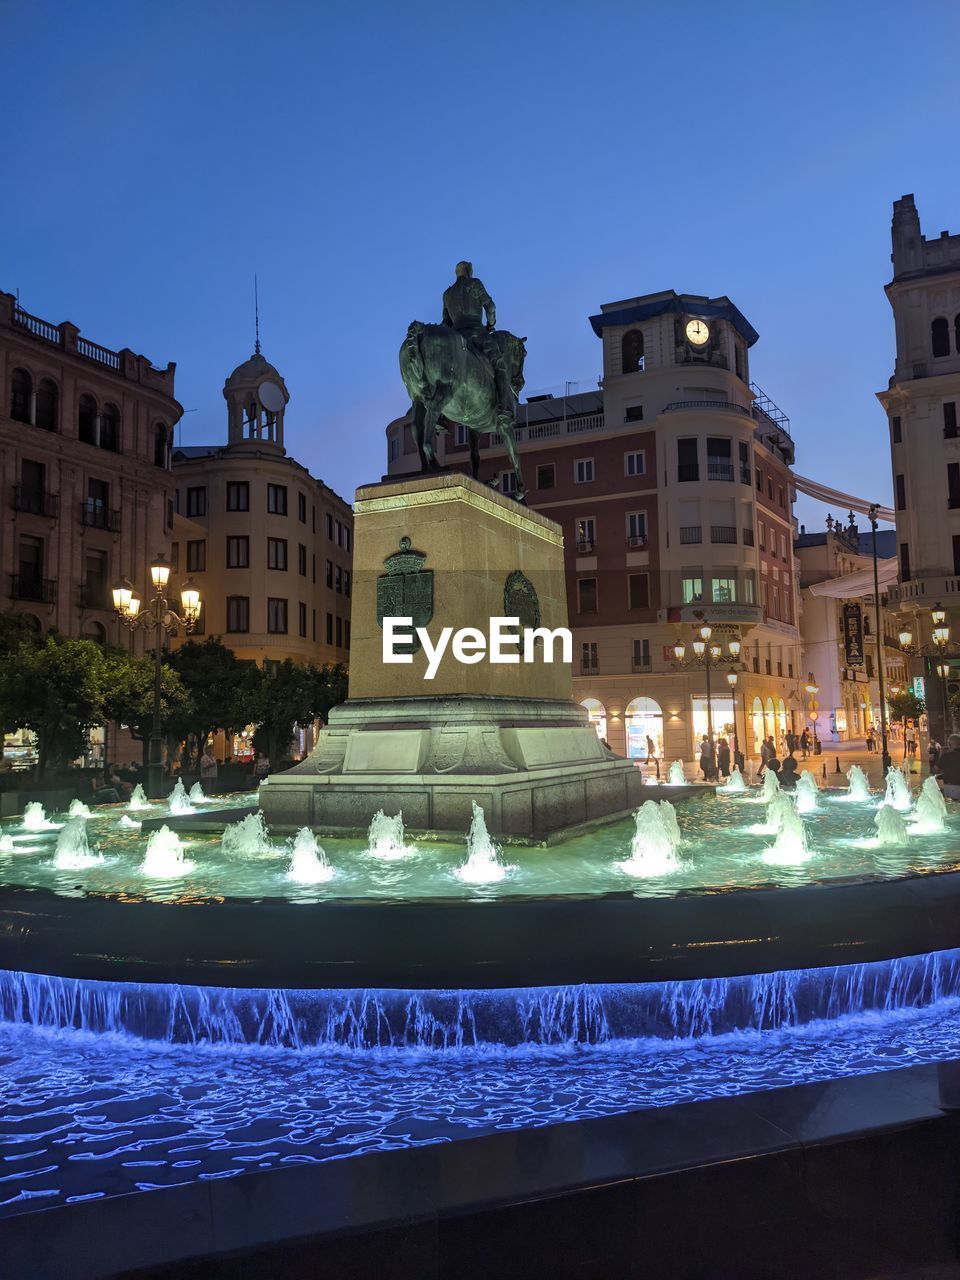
x=257, y=398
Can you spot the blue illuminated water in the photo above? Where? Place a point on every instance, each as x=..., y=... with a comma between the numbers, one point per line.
x=170, y=1085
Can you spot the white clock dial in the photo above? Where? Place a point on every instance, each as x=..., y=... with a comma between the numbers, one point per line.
x=697, y=332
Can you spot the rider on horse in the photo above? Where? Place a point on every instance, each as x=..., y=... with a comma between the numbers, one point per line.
x=464, y=304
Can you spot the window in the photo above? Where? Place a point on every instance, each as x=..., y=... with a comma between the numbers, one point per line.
x=302, y=508
x=583, y=470
x=744, y=462
x=21, y=393
x=196, y=556
x=688, y=467
x=759, y=475
x=748, y=537
x=586, y=595
x=953, y=484
x=302, y=560
x=783, y=547
x=633, y=413
x=313, y=623
x=276, y=616
x=631, y=351
x=346, y=538
x=338, y=579
x=956, y=554
x=635, y=464
x=302, y=611
x=641, y=655
x=719, y=462
x=110, y=428
x=175, y=557
x=749, y=588
x=329, y=523
x=238, y=613
x=461, y=435
x=898, y=430
x=238, y=495
x=762, y=532
x=238, y=552
x=95, y=595
x=950, y=420
x=277, y=554
x=508, y=482
x=639, y=590
x=161, y=447
x=96, y=512
x=346, y=582
x=904, y=562
x=586, y=533
x=393, y=450
x=589, y=658
x=47, y=407
x=346, y=634
x=724, y=590
x=277, y=500
x=940, y=337
x=87, y=419
x=197, y=501
x=313, y=569
x=33, y=486
x=329, y=628
x=31, y=568
x=781, y=496
x=770, y=488
x=775, y=611
x=329, y=578
x=691, y=590
x=636, y=528
x=900, y=485
x=339, y=633
x=546, y=476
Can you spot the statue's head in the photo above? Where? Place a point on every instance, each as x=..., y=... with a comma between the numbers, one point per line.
x=464, y=269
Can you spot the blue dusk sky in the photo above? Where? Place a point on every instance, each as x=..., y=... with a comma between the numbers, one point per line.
x=156, y=156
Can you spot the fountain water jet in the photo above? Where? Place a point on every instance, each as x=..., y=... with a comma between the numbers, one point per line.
x=6, y=844
x=807, y=793
x=78, y=810
x=130, y=824
x=73, y=847
x=858, y=789
x=653, y=851
x=138, y=800
x=385, y=837
x=675, y=774
x=247, y=837
x=930, y=815
x=308, y=862
x=891, y=827
x=483, y=865
x=898, y=791
x=790, y=846
x=735, y=784
x=164, y=858
x=771, y=785
x=196, y=794
x=178, y=803
x=35, y=819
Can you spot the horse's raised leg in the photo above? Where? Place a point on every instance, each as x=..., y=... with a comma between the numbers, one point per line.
x=419, y=433
x=508, y=438
x=475, y=454
x=431, y=416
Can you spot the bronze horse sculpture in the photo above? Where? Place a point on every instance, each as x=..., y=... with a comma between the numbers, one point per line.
x=449, y=381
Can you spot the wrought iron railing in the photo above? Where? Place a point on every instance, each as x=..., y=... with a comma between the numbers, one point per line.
x=36, y=502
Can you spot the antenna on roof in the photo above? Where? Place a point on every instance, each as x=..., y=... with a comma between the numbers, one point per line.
x=256, y=311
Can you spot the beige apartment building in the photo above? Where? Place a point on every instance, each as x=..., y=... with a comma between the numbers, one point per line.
x=672, y=483
x=922, y=402
x=85, y=443
x=268, y=545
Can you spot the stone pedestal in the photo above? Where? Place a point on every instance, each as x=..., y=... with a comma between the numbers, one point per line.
x=451, y=552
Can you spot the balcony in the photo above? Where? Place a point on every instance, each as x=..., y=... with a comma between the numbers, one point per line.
x=36, y=502
x=723, y=533
x=96, y=516
x=690, y=534
x=586, y=545
x=589, y=668
x=641, y=665
x=729, y=406
x=30, y=586
x=719, y=469
x=636, y=540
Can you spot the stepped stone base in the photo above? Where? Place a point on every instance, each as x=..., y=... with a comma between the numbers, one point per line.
x=535, y=766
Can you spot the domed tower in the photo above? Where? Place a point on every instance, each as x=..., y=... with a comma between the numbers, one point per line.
x=256, y=397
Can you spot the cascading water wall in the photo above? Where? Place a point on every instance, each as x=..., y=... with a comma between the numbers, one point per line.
x=364, y=1020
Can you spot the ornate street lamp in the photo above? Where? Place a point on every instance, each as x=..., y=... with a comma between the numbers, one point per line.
x=935, y=652
x=708, y=655
x=165, y=621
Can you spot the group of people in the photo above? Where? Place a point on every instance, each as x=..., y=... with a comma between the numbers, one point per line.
x=115, y=783
x=787, y=769
x=720, y=764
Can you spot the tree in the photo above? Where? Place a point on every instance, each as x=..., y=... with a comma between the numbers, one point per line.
x=54, y=687
x=291, y=694
x=906, y=705
x=219, y=688
x=128, y=694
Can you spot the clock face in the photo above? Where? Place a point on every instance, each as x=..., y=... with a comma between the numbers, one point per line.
x=697, y=332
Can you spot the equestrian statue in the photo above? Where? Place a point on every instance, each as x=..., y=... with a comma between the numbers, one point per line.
x=464, y=371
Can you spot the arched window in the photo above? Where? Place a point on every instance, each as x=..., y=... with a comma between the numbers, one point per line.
x=598, y=715
x=758, y=727
x=48, y=405
x=940, y=336
x=87, y=419
x=781, y=717
x=161, y=446
x=110, y=428
x=769, y=718
x=631, y=351
x=644, y=721
x=21, y=392
x=95, y=631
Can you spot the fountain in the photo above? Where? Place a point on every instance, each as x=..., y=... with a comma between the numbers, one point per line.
x=790, y=846
x=6, y=844
x=898, y=790
x=35, y=819
x=308, y=862
x=771, y=785
x=807, y=793
x=675, y=774
x=858, y=789
x=164, y=858
x=247, y=837
x=73, y=847
x=178, y=802
x=129, y=824
x=385, y=837
x=483, y=865
x=735, y=784
x=138, y=799
x=196, y=794
x=930, y=814
x=653, y=851
x=891, y=827
x=78, y=810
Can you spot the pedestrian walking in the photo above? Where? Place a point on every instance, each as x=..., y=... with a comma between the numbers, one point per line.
x=723, y=757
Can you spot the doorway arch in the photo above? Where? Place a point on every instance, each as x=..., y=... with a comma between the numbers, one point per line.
x=644, y=719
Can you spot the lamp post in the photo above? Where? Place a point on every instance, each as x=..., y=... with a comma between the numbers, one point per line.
x=936, y=651
x=164, y=621
x=813, y=713
x=708, y=656
x=884, y=746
